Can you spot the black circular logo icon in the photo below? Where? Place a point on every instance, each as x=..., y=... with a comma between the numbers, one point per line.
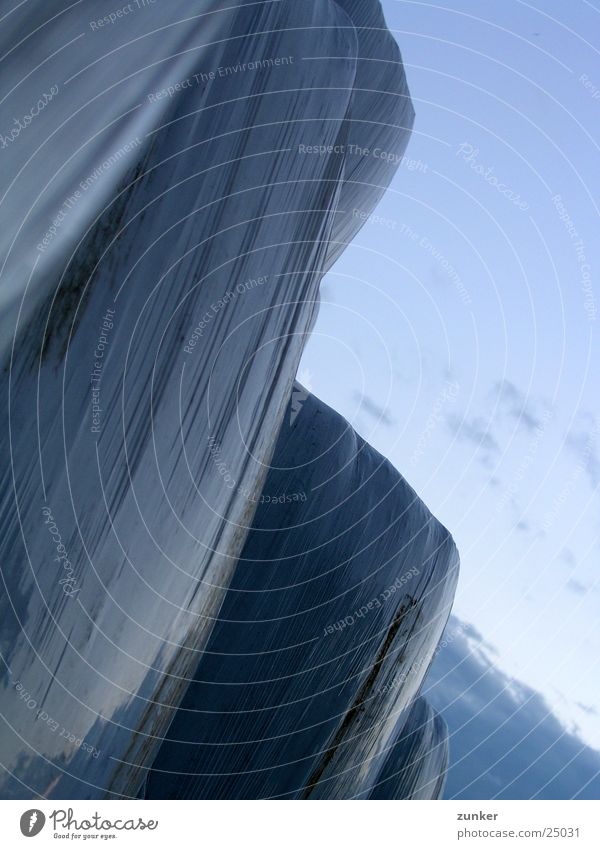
x=32, y=822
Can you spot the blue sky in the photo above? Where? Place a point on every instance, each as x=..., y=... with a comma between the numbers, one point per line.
x=459, y=331
x=505, y=741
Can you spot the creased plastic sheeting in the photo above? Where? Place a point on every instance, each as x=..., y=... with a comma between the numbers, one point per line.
x=416, y=765
x=340, y=597
x=99, y=83
x=380, y=122
x=119, y=533
x=96, y=84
